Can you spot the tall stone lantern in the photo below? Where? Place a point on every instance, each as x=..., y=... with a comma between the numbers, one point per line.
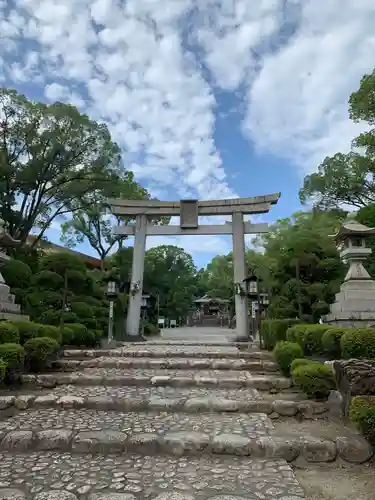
x=354, y=306
x=8, y=307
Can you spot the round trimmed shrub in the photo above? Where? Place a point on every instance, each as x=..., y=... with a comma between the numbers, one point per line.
x=13, y=356
x=362, y=414
x=51, y=331
x=285, y=353
x=8, y=333
x=67, y=335
x=296, y=363
x=358, y=343
x=47, y=280
x=314, y=379
x=3, y=369
x=296, y=333
x=27, y=329
x=82, y=310
x=82, y=336
x=40, y=352
x=16, y=274
x=331, y=342
x=150, y=329
x=312, y=339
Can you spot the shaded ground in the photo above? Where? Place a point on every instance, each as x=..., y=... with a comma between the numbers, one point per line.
x=338, y=482
x=322, y=427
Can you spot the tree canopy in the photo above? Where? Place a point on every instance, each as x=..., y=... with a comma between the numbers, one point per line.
x=348, y=179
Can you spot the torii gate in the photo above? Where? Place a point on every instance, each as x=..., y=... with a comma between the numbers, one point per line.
x=189, y=211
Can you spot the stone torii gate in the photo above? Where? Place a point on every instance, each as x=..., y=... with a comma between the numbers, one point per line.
x=189, y=211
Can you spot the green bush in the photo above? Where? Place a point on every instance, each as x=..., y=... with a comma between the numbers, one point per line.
x=274, y=330
x=362, y=414
x=13, y=356
x=300, y=362
x=27, y=329
x=331, y=342
x=285, y=353
x=358, y=343
x=8, y=333
x=51, y=331
x=67, y=335
x=82, y=336
x=314, y=379
x=312, y=339
x=82, y=310
x=47, y=280
x=16, y=274
x=296, y=333
x=3, y=369
x=149, y=329
x=40, y=352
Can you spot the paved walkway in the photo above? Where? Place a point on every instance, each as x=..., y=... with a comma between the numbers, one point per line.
x=187, y=419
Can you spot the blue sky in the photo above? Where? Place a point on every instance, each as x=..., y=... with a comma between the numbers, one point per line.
x=208, y=99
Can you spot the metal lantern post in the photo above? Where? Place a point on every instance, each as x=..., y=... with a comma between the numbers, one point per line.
x=144, y=306
x=261, y=300
x=112, y=292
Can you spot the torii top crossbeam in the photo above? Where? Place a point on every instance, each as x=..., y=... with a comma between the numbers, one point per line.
x=254, y=205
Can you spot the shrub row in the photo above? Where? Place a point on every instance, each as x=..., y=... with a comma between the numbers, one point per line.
x=325, y=340
x=362, y=414
x=313, y=378
x=25, y=345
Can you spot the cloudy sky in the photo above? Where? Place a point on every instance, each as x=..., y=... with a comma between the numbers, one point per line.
x=208, y=98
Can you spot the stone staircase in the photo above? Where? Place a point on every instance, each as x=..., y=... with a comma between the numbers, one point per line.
x=167, y=421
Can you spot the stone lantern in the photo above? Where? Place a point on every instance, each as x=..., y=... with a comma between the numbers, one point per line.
x=355, y=302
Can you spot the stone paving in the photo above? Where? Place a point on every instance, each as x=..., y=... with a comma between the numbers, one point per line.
x=166, y=377
x=161, y=421
x=148, y=477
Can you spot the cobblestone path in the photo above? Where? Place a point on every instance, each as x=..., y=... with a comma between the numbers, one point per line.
x=166, y=420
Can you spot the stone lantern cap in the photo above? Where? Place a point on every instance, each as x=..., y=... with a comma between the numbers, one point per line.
x=351, y=228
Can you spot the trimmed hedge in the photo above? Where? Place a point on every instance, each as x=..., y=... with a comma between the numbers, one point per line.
x=358, y=343
x=314, y=379
x=296, y=333
x=312, y=339
x=301, y=362
x=50, y=331
x=40, y=352
x=285, y=353
x=67, y=335
x=362, y=414
x=3, y=369
x=8, y=333
x=274, y=330
x=13, y=355
x=27, y=329
x=331, y=342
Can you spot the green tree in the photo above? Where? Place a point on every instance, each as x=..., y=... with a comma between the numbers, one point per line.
x=348, y=178
x=170, y=273
x=53, y=161
x=306, y=268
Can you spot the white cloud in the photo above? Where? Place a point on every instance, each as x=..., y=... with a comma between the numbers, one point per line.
x=131, y=65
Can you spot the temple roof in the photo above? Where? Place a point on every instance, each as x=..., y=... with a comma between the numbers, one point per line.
x=206, y=300
x=350, y=227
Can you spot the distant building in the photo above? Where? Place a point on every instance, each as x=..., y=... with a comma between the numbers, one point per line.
x=48, y=247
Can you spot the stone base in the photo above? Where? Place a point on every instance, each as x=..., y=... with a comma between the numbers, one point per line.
x=133, y=338
x=14, y=317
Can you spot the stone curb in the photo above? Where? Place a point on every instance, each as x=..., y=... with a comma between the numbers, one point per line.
x=261, y=383
x=307, y=449
x=139, y=353
x=184, y=364
x=275, y=409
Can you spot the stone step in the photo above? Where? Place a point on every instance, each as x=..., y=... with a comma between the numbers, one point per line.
x=259, y=366
x=224, y=343
x=135, y=477
x=164, y=399
x=146, y=351
x=170, y=378
x=107, y=432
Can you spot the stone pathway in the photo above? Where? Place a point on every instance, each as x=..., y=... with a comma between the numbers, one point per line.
x=167, y=420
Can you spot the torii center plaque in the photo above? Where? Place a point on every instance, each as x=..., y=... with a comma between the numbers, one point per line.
x=189, y=214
